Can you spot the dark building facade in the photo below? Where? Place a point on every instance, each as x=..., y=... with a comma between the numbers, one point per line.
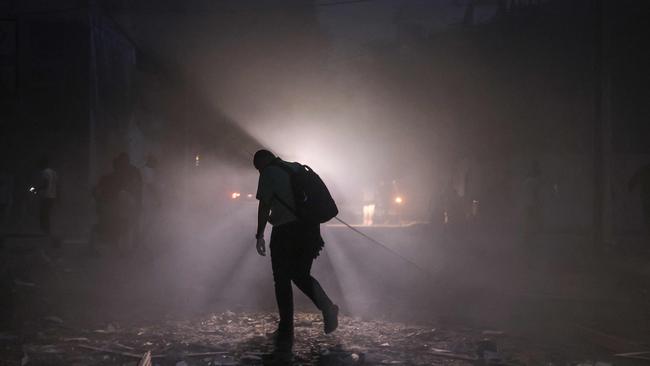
x=69, y=94
x=78, y=89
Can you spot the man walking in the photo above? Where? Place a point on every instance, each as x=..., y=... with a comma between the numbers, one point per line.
x=294, y=243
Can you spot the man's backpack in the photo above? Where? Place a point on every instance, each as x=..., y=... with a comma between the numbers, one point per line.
x=314, y=203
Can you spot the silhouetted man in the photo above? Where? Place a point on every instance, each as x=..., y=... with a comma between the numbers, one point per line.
x=294, y=243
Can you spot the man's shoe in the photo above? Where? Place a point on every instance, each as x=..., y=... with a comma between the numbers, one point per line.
x=282, y=336
x=331, y=319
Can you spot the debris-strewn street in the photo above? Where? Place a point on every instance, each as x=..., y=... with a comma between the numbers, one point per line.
x=72, y=309
x=243, y=338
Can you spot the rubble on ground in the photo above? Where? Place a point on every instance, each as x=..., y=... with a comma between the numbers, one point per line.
x=243, y=339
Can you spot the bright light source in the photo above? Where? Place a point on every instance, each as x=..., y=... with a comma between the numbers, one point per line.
x=250, y=195
x=197, y=160
x=398, y=200
x=235, y=195
x=368, y=214
x=32, y=189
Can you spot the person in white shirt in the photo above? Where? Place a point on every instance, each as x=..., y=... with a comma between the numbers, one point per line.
x=294, y=244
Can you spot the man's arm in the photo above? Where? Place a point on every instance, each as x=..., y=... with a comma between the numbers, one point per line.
x=263, y=211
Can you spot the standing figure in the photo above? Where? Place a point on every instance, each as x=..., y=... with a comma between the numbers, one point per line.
x=294, y=244
x=383, y=202
x=46, y=189
x=368, y=207
x=103, y=194
x=151, y=200
x=118, y=202
x=129, y=187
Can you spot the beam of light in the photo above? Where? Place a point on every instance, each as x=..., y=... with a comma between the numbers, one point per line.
x=349, y=281
x=223, y=261
x=367, y=274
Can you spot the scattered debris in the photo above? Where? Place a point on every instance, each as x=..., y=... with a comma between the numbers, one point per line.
x=42, y=349
x=108, y=350
x=18, y=282
x=7, y=337
x=233, y=339
x=454, y=356
x=76, y=339
x=120, y=345
x=645, y=355
x=250, y=359
x=54, y=319
x=146, y=359
x=110, y=328
x=493, y=332
x=608, y=341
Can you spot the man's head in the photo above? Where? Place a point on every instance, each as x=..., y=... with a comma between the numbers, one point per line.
x=263, y=158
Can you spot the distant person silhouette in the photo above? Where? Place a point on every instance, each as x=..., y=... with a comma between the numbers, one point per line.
x=118, y=200
x=152, y=183
x=46, y=189
x=129, y=184
x=129, y=179
x=642, y=178
x=294, y=244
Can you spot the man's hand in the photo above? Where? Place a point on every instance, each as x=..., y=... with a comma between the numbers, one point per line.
x=261, y=247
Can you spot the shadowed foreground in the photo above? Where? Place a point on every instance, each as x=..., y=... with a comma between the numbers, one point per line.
x=242, y=339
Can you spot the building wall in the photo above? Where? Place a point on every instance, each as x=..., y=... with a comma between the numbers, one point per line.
x=112, y=71
x=73, y=103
